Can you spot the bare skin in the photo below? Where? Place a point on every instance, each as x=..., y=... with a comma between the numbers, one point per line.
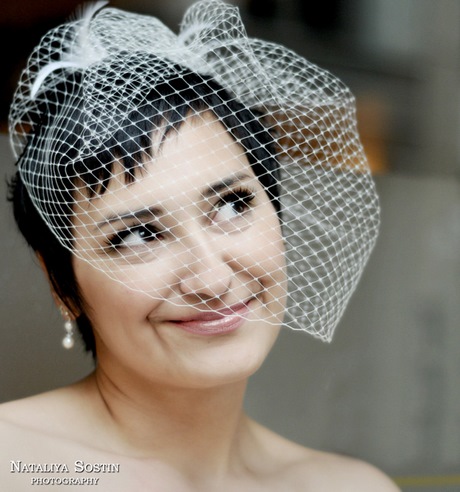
x=165, y=403
x=170, y=446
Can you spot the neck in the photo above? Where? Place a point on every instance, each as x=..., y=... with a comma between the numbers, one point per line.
x=195, y=429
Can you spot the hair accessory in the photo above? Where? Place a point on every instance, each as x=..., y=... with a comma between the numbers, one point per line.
x=104, y=101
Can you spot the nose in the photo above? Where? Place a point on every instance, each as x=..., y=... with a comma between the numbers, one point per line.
x=207, y=273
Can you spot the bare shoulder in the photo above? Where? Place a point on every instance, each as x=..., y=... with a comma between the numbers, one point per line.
x=342, y=473
x=35, y=434
x=47, y=412
x=27, y=422
x=303, y=469
x=34, y=409
x=21, y=441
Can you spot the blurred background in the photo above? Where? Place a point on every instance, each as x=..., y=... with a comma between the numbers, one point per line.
x=387, y=389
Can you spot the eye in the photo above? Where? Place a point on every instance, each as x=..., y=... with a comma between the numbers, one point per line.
x=132, y=237
x=233, y=205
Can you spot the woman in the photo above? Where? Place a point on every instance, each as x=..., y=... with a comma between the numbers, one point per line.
x=185, y=196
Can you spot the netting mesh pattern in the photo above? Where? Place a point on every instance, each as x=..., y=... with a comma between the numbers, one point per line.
x=205, y=168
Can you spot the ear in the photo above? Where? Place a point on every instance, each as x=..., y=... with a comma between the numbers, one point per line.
x=66, y=309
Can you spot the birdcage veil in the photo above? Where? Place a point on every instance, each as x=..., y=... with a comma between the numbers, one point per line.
x=106, y=97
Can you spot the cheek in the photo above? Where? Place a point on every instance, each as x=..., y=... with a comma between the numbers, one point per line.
x=108, y=301
x=127, y=283
x=264, y=253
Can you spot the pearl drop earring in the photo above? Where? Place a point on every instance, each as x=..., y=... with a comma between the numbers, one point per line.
x=69, y=325
x=68, y=341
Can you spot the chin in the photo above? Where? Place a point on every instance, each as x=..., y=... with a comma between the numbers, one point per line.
x=240, y=358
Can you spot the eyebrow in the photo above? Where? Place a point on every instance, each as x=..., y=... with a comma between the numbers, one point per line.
x=146, y=214
x=225, y=184
x=142, y=215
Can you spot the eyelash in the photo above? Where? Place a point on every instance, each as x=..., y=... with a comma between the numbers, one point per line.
x=115, y=241
x=238, y=196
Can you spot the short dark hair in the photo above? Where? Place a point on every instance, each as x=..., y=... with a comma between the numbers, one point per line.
x=167, y=105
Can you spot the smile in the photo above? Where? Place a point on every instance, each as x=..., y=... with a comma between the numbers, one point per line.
x=216, y=322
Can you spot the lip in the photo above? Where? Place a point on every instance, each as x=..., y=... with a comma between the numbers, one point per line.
x=218, y=322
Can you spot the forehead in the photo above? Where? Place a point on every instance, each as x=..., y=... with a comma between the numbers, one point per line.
x=203, y=148
x=200, y=153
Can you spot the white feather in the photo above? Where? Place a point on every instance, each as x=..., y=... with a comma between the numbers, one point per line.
x=85, y=52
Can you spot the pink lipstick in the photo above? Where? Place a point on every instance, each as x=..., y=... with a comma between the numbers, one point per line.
x=215, y=322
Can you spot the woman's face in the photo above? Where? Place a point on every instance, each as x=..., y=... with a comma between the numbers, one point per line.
x=190, y=285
